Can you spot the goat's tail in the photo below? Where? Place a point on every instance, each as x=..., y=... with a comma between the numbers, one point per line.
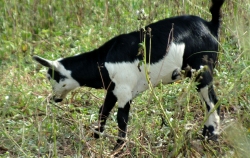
x=215, y=11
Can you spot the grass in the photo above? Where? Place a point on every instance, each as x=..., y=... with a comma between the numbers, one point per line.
x=32, y=127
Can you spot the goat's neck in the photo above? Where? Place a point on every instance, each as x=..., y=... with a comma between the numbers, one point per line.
x=88, y=69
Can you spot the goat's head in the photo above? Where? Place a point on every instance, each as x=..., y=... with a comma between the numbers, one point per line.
x=60, y=78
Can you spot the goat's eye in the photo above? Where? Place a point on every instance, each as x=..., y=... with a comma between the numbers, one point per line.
x=64, y=85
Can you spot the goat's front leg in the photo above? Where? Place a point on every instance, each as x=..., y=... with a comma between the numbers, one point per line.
x=122, y=119
x=124, y=84
x=212, y=125
x=104, y=111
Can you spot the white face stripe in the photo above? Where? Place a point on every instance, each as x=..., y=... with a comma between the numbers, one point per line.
x=129, y=81
x=62, y=70
x=213, y=119
x=65, y=85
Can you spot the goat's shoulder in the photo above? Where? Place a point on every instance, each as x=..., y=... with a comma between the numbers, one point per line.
x=124, y=48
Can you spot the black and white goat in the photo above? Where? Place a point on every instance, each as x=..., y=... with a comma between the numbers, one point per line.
x=114, y=66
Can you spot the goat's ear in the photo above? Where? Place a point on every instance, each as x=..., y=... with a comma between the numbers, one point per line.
x=45, y=62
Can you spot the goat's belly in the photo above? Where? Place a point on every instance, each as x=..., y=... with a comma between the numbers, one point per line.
x=155, y=78
x=162, y=71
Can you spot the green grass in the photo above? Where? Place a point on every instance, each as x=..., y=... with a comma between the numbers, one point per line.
x=32, y=127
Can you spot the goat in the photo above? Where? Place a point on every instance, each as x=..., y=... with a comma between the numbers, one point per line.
x=114, y=66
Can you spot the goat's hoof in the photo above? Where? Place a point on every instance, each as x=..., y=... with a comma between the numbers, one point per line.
x=96, y=136
x=119, y=145
x=97, y=132
x=213, y=137
x=176, y=74
x=118, y=148
x=97, y=129
x=208, y=132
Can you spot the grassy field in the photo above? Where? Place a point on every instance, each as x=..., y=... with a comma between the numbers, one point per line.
x=32, y=127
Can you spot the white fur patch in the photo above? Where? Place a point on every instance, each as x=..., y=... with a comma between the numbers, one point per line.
x=65, y=85
x=129, y=81
x=213, y=118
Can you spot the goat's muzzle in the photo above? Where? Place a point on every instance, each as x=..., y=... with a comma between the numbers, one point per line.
x=57, y=100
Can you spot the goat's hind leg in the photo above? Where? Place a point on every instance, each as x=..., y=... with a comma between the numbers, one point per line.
x=104, y=111
x=205, y=88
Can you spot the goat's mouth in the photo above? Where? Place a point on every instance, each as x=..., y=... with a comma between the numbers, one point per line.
x=57, y=100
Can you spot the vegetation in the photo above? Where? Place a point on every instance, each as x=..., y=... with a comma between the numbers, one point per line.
x=33, y=127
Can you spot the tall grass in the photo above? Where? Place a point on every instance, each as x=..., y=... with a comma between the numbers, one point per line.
x=32, y=127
